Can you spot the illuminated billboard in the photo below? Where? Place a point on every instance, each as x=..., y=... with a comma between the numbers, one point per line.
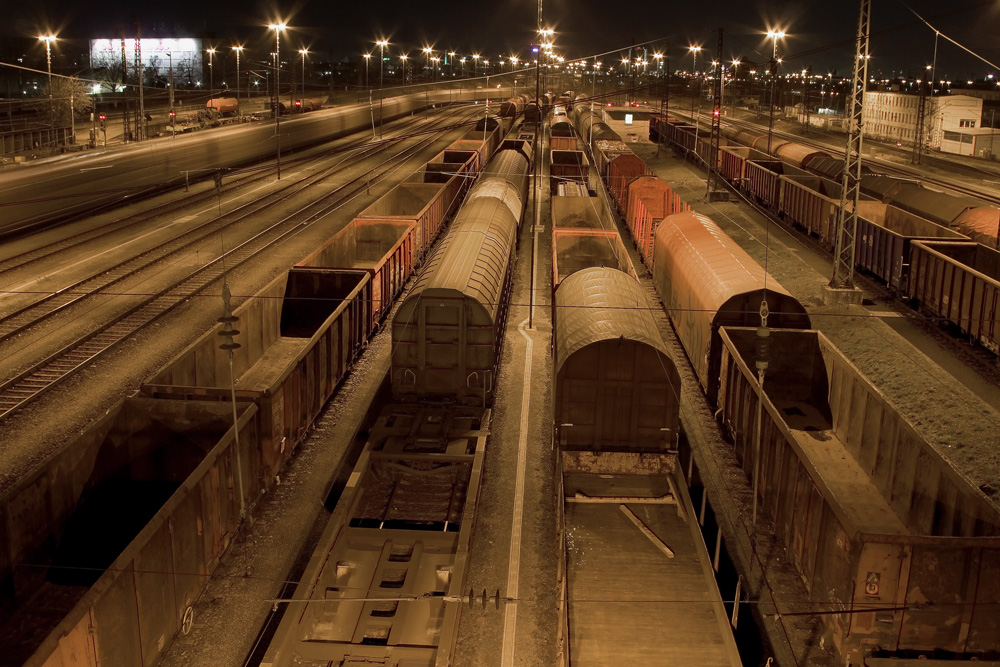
x=185, y=52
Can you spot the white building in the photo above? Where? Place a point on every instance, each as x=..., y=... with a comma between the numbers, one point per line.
x=184, y=53
x=951, y=122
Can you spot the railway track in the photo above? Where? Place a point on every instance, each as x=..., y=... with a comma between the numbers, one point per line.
x=34, y=314
x=46, y=373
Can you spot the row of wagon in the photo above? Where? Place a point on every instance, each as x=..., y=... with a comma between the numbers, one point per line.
x=939, y=251
x=895, y=546
x=191, y=475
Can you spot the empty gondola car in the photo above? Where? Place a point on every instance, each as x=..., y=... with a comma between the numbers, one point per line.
x=446, y=334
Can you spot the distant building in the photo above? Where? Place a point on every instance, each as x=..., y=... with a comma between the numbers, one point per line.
x=951, y=122
x=156, y=55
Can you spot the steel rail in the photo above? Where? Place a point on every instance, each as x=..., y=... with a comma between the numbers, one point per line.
x=42, y=376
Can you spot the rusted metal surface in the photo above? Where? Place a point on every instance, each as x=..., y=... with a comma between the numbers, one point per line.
x=706, y=281
x=762, y=181
x=386, y=579
x=960, y=283
x=128, y=615
x=577, y=249
x=622, y=170
x=616, y=388
x=302, y=332
x=585, y=212
x=884, y=241
x=894, y=542
x=425, y=204
x=805, y=202
x=568, y=167
x=383, y=248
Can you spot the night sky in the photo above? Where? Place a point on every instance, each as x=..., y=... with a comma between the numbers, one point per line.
x=820, y=33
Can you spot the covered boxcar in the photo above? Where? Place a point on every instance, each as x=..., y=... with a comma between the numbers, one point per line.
x=616, y=387
x=706, y=281
x=447, y=333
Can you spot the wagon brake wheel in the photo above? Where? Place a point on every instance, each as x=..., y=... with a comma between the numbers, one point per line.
x=187, y=621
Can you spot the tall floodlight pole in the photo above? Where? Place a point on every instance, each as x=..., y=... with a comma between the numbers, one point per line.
x=694, y=73
x=404, y=58
x=774, y=36
x=368, y=59
x=237, y=49
x=48, y=39
x=173, y=114
x=303, y=53
x=278, y=28
x=475, y=65
x=381, y=58
x=211, y=72
x=847, y=222
x=428, y=52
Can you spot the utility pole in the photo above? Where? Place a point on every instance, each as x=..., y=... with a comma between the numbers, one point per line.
x=713, y=151
x=173, y=114
x=126, y=130
x=140, y=120
x=847, y=223
x=664, y=102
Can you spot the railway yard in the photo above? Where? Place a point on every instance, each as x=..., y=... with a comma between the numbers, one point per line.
x=495, y=399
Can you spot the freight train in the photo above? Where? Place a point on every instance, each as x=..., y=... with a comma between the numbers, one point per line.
x=867, y=509
x=102, y=179
x=937, y=250
x=304, y=333
x=386, y=581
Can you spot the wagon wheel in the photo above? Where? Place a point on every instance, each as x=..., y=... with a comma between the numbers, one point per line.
x=187, y=621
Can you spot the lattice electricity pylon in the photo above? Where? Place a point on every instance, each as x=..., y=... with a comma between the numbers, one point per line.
x=847, y=221
x=713, y=151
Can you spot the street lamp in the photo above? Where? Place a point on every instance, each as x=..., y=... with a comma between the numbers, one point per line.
x=381, y=43
x=428, y=52
x=463, y=66
x=475, y=63
x=211, y=72
x=303, y=53
x=451, y=64
x=238, y=50
x=278, y=28
x=774, y=36
x=368, y=58
x=694, y=72
x=48, y=39
x=173, y=114
x=404, y=57
x=436, y=60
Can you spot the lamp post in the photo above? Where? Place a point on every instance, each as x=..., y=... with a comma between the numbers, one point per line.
x=774, y=35
x=451, y=64
x=173, y=114
x=278, y=28
x=428, y=52
x=436, y=60
x=211, y=72
x=303, y=53
x=404, y=57
x=382, y=43
x=463, y=66
x=368, y=58
x=48, y=39
x=475, y=64
x=694, y=72
x=237, y=50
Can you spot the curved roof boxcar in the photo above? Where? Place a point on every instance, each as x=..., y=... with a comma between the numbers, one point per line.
x=706, y=281
x=446, y=335
x=616, y=386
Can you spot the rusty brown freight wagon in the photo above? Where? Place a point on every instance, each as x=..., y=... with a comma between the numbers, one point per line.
x=301, y=333
x=105, y=547
x=884, y=236
x=650, y=200
x=616, y=387
x=707, y=281
x=568, y=167
x=383, y=248
x=959, y=282
x=898, y=551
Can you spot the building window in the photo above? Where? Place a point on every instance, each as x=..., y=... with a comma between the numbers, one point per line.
x=966, y=123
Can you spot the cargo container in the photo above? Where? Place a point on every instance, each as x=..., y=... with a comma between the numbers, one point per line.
x=650, y=200
x=568, y=167
x=883, y=242
x=383, y=248
x=106, y=546
x=958, y=282
x=899, y=550
x=574, y=249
